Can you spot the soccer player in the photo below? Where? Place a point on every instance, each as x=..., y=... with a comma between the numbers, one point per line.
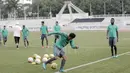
x=112, y=35
x=44, y=32
x=57, y=28
x=64, y=39
x=4, y=34
x=25, y=33
x=0, y=35
x=17, y=31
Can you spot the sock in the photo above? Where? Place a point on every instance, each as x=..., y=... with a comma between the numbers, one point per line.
x=49, y=61
x=62, y=63
x=25, y=43
x=17, y=45
x=28, y=43
x=42, y=42
x=115, y=50
x=112, y=50
x=55, y=40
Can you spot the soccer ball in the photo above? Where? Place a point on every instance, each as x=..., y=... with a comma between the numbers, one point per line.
x=53, y=65
x=37, y=61
x=44, y=60
x=46, y=56
x=38, y=57
x=30, y=59
x=51, y=55
x=34, y=56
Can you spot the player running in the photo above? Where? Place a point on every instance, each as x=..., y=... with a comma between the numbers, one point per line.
x=64, y=39
x=57, y=28
x=112, y=35
x=25, y=33
x=4, y=34
x=44, y=32
x=17, y=31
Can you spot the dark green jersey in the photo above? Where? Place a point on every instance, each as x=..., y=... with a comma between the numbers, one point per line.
x=44, y=29
x=57, y=28
x=25, y=32
x=4, y=32
x=63, y=40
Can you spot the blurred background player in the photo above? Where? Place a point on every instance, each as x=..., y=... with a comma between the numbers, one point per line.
x=44, y=32
x=4, y=34
x=25, y=33
x=0, y=36
x=112, y=35
x=59, y=46
x=17, y=32
x=57, y=28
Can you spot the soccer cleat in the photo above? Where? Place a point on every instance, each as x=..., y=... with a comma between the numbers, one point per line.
x=61, y=70
x=116, y=56
x=47, y=46
x=42, y=46
x=44, y=66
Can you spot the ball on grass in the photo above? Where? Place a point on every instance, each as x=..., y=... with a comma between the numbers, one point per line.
x=53, y=65
x=37, y=61
x=44, y=59
x=30, y=59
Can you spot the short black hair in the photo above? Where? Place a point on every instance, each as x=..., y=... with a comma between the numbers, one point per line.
x=72, y=35
x=42, y=22
x=4, y=26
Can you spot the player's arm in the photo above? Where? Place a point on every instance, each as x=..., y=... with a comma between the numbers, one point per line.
x=117, y=34
x=56, y=33
x=107, y=32
x=72, y=45
x=47, y=29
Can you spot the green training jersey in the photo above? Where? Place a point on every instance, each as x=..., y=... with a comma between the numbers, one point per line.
x=4, y=32
x=112, y=30
x=25, y=32
x=63, y=40
x=57, y=28
x=44, y=29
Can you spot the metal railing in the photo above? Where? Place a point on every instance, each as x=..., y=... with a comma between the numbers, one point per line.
x=22, y=18
x=112, y=15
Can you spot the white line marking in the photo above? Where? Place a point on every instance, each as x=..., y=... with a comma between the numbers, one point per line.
x=69, y=69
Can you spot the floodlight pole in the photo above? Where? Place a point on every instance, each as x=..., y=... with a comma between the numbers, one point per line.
x=122, y=4
x=90, y=9
x=104, y=8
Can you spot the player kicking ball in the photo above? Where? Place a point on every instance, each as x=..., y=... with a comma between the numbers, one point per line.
x=59, y=46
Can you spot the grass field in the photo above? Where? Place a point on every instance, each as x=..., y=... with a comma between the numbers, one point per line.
x=93, y=47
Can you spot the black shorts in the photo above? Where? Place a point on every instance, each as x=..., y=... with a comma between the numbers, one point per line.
x=112, y=41
x=5, y=38
x=43, y=36
x=56, y=36
x=16, y=39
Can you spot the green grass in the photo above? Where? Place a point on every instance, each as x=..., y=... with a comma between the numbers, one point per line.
x=93, y=46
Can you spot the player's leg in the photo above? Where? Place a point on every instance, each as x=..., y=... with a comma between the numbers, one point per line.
x=46, y=41
x=56, y=52
x=111, y=45
x=115, y=48
x=56, y=37
x=24, y=38
x=18, y=38
x=42, y=40
x=64, y=58
x=27, y=41
x=5, y=39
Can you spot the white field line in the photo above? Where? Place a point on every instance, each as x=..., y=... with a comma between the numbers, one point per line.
x=83, y=65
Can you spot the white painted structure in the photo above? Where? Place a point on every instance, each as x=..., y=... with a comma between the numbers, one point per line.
x=25, y=1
